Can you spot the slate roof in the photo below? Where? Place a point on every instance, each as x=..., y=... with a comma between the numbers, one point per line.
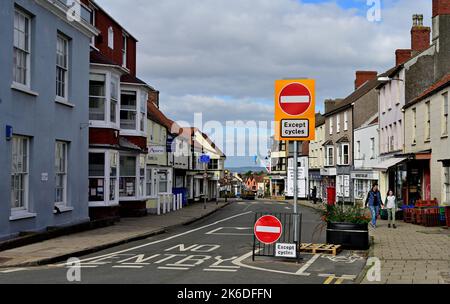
x=437, y=86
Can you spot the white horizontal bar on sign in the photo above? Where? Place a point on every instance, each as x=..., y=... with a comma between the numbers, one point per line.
x=295, y=99
x=268, y=229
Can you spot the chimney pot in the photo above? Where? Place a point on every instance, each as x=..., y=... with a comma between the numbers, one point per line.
x=420, y=34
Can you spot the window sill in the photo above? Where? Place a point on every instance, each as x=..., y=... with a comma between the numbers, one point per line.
x=444, y=136
x=21, y=215
x=63, y=209
x=64, y=103
x=23, y=89
x=427, y=141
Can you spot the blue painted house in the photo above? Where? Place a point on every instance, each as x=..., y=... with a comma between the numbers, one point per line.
x=44, y=115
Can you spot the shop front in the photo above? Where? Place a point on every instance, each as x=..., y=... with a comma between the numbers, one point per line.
x=277, y=185
x=328, y=184
x=362, y=183
x=393, y=176
x=315, y=182
x=418, y=179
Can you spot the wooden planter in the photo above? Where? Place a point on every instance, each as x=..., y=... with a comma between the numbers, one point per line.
x=349, y=236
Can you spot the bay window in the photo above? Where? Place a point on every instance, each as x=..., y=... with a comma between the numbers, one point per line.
x=62, y=67
x=97, y=97
x=22, y=49
x=128, y=110
x=143, y=113
x=114, y=93
x=61, y=173
x=127, y=184
x=19, y=173
x=103, y=176
x=124, y=50
x=96, y=177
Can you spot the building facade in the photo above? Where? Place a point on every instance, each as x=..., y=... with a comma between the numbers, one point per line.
x=44, y=149
x=317, y=158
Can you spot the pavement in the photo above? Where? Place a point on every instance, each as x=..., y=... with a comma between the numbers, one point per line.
x=127, y=230
x=213, y=250
x=411, y=254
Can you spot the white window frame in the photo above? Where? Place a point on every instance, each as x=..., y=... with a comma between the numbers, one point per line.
x=111, y=38
x=345, y=121
x=358, y=150
x=329, y=162
x=114, y=80
x=110, y=77
x=338, y=123
x=445, y=110
x=124, y=50
x=25, y=173
x=25, y=50
x=109, y=156
x=427, y=121
x=341, y=154
x=63, y=173
x=446, y=184
x=414, y=126
x=62, y=90
x=331, y=126
x=372, y=148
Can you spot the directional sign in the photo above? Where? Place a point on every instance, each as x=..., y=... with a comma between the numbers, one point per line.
x=268, y=229
x=205, y=159
x=295, y=109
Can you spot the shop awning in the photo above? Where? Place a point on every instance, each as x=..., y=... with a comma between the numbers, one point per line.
x=389, y=163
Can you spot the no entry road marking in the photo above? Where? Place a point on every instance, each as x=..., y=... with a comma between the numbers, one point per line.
x=162, y=240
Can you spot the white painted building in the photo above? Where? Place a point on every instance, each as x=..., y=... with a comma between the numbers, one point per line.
x=366, y=157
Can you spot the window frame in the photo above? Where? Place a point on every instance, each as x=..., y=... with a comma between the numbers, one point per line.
x=27, y=51
x=25, y=174
x=111, y=38
x=445, y=110
x=64, y=174
x=124, y=50
x=338, y=123
x=446, y=184
x=107, y=176
x=65, y=70
x=345, y=121
x=328, y=162
x=427, y=121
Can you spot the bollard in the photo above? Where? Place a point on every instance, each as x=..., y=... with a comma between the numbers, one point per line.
x=180, y=201
x=164, y=204
x=158, y=206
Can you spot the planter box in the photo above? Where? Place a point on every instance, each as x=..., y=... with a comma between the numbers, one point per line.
x=348, y=235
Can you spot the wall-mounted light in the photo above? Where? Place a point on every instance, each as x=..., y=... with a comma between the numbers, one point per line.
x=9, y=132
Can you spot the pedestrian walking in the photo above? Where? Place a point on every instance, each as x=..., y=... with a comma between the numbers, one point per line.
x=374, y=203
x=391, y=206
x=314, y=194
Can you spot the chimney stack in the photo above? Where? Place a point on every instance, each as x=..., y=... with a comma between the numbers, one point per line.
x=364, y=76
x=420, y=35
x=401, y=56
x=441, y=7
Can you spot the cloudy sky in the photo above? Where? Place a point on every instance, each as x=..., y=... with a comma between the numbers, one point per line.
x=221, y=57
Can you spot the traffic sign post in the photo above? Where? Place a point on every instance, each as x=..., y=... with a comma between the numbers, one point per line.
x=268, y=229
x=295, y=115
x=205, y=159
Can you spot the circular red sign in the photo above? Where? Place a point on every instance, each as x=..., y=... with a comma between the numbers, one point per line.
x=268, y=229
x=295, y=99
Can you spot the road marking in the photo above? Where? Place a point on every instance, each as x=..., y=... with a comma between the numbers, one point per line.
x=128, y=266
x=329, y=280
x=339, y=281
x=173, y=268
x=215, y=231
x=308, y=264
x=239, y=263
x=220, y=270
x=13, y=270
x=164, y=240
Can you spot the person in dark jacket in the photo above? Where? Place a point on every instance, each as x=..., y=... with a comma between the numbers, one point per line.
x=374, y=203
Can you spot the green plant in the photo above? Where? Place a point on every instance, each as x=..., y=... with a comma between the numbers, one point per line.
x=345, y=214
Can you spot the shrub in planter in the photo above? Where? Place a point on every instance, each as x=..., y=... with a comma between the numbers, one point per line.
x=347, y=226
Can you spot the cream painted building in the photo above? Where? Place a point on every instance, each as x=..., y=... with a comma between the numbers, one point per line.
x=317, y=157
x=427, y=143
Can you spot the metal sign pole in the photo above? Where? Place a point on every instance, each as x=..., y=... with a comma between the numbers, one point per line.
x=295, y=189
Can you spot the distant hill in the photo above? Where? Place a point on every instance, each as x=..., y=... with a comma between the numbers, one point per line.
x=246, y=169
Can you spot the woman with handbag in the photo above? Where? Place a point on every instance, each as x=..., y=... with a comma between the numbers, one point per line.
x=374, y=203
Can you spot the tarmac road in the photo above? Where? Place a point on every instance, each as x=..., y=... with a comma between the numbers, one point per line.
x=215, y=250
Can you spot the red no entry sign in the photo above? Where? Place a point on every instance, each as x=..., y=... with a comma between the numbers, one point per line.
x=295, y=99
x=268, y=229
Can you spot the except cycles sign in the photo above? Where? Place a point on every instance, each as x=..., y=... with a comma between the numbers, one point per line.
x=295, y=109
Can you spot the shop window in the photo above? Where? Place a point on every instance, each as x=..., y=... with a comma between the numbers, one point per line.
x=127, y=184
x=96, y=177
x=149, y=182
x=163, y=182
